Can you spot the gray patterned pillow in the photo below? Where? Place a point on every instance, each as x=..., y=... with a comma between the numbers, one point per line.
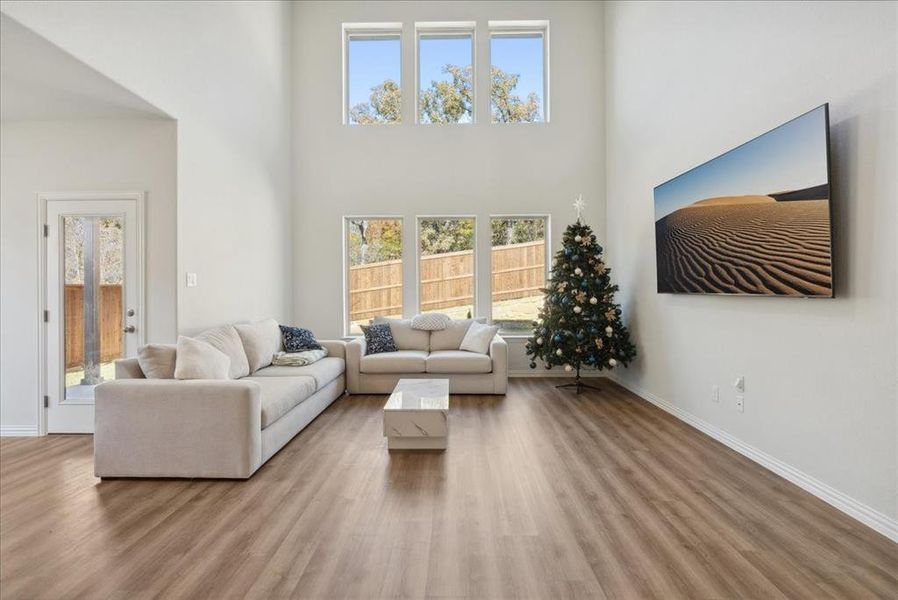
x=430, y=321
x=378, y=338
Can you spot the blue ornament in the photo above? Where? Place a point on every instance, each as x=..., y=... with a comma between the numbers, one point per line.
x=567, y=251
x=584, y=284
x=575, y=257
x=557, y=338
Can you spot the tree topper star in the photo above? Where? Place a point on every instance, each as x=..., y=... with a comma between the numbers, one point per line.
x=579, y=205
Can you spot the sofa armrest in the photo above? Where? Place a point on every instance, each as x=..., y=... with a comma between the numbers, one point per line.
x=355, y=350
x=128, y=368
x=499, y=356
x=335, y=348
x=171, y=428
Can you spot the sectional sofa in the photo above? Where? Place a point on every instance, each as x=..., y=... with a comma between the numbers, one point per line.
x=212, y=428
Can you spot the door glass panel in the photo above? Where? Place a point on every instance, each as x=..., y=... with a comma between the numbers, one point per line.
x=93, y=302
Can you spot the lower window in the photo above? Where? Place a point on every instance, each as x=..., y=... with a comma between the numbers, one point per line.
x=374, y=281
x=446, y=265
x=518, y=271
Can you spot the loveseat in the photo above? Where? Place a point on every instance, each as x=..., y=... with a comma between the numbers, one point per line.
x=224, y=428
x=427, y=354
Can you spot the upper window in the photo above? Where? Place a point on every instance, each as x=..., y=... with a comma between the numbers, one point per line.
x=518, y=264
x=374, y=278
x=372, y=74
x=518, y=71
x=446, y=262
x=445, y=72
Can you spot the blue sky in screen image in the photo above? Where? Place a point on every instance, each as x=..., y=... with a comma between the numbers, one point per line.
x=434, y=53
x=791, y=157
x=371, y=62
x=521, y=56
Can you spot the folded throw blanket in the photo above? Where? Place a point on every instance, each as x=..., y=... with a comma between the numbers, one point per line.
x=298, y=359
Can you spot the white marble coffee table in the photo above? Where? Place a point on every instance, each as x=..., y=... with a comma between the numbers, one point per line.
x=416, y=417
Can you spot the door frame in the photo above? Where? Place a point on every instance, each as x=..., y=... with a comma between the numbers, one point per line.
x=140, y=243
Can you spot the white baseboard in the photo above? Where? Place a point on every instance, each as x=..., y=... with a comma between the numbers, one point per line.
x=855, y=509
x=18, y=431
x=556, y=372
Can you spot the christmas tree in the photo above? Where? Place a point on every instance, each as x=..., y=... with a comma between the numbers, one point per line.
x=579, y=324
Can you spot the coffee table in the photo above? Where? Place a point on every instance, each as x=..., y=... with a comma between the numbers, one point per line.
x=416, y=417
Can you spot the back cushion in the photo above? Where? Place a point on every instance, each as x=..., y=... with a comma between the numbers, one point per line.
x=157, y=361
x=451, y=337
x=261, y=341
x=226, y=340
x=405, y=337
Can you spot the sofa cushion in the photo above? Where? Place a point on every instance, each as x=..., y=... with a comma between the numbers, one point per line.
x=197, y=359
x=378, y=338
x=227, y=340
x=297, y=339
x=157, y=361
x=401, y=361
x=405, y=336
x=261, y=341
x=478, y=338
x=430, y=321
x=458, y=361
x=450, y=338
x=323, y=371
x=280, y=394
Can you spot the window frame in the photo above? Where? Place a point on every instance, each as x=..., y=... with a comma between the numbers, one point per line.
x=347, y=323
x=445, y=29
x=371, y=31
x=475, y=312
x=523, y=28
x=547, y=258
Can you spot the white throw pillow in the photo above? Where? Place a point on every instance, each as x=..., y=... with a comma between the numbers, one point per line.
x=228, y=341
x=430, y=322
x=261, y=341
x=157, y=361
x=200, y=360
x=478, y=338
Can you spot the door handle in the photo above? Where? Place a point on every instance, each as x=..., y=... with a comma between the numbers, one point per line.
x=130, y=329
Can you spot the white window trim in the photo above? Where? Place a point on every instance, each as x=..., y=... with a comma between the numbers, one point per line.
x=347, y=333
x=446, y=29
x=512, y=28
x=475, y=311
x=369, y=31
x=547, y=230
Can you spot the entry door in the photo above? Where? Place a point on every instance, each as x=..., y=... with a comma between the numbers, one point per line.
x=93, y=303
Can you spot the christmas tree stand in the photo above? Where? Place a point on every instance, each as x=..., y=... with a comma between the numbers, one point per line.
x=578, y=385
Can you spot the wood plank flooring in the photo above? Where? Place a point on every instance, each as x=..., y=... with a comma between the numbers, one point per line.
x=541, y=494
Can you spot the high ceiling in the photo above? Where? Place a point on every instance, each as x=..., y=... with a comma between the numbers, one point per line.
x=40, y=81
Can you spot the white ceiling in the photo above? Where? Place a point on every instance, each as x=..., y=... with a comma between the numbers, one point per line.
x=39, y=80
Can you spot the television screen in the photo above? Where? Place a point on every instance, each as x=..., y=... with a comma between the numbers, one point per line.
x=753, y=221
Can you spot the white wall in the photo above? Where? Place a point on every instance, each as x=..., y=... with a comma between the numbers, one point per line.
x=71, y=156
x=687, y=81
x=411, y=170
x=222, y=70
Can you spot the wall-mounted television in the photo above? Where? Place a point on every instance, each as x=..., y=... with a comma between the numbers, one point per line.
x=753, y=221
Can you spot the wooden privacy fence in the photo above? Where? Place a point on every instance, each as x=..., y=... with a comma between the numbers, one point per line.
x=518, y=271
x=110, y=324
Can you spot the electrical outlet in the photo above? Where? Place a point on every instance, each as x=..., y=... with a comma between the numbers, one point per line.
x=740, y=403
x=715, y=393
x=191, y=280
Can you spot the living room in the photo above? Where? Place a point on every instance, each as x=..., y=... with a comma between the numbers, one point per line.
x=377, y=299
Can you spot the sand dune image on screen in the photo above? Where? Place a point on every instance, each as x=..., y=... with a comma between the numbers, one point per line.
x=766, y=240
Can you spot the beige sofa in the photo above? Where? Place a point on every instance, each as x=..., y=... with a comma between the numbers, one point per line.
x=427, y=354
x=209, y=428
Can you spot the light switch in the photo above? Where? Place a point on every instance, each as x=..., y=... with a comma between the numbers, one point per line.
x=191, y=280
